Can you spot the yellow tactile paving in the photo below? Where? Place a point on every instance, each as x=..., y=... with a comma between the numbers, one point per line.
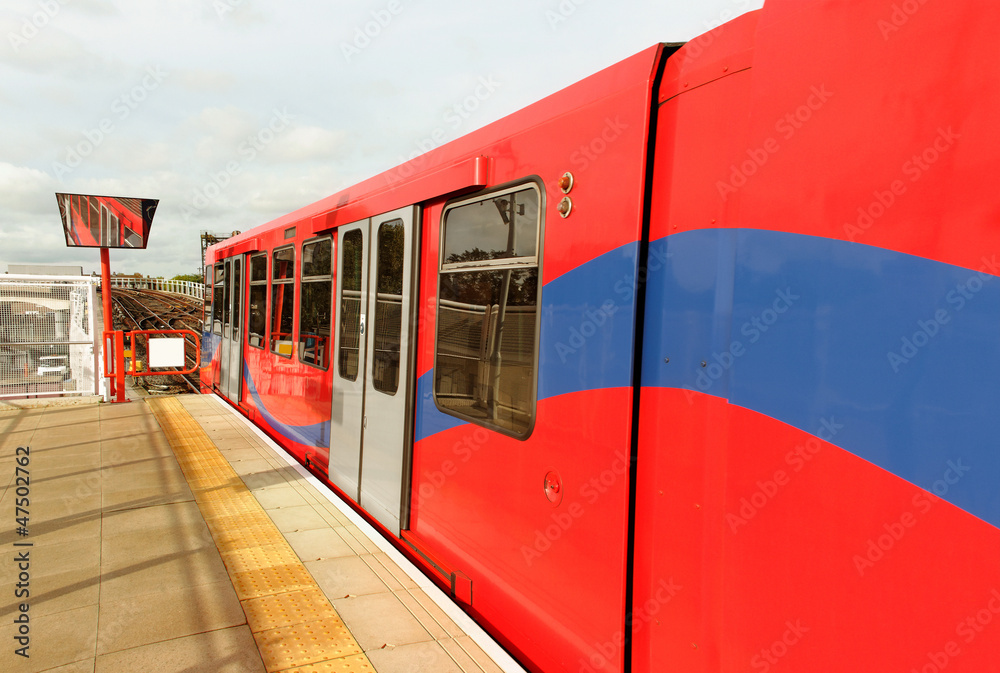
x=250, y=535
x=235, y=505
x=296, y=628
x=267, y=581
x=356, y=664
x=224, y=491
x=308, y=643
x=287, y=609
x=249, y=559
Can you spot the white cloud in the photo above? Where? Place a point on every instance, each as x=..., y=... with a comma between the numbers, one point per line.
x=306, y=143
x=25, y=190
x=227, y=75
x=204, y=80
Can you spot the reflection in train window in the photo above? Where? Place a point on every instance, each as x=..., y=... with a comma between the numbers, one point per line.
x=95, y=218
x=388, y=323
x=217, y=298
x=282, y=300
x=349, y=277
x=258, y=300
x=486, y=353
x=237, y=287
x=207, y=301
x=317, y=302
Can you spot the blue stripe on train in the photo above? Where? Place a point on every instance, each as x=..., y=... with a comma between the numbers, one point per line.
x=585, y=335
x=210, y=345
x=900, y=354
x=317, y=434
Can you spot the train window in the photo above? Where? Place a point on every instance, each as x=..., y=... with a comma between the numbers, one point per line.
x=258, y=267
x=218, y=298
x=207, y=300
x=282, y=300
x=317, y=302
x=388, y=307
x=352, y=248
x=485, y=358
x=226, y=301
x=257, y=321
x=237, y=286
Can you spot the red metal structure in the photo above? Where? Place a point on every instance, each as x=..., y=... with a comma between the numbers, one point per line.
x=121, y=358
x=106, y=222
x=692, y=366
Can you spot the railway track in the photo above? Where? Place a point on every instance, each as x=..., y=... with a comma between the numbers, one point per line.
x=153, y=310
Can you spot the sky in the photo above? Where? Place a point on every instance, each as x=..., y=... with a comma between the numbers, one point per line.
x=234, y=112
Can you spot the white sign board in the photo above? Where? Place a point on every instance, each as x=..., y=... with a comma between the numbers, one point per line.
x=166, y=353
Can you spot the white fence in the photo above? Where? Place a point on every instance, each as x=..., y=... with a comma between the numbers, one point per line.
x=48, y=341
x=187, y=288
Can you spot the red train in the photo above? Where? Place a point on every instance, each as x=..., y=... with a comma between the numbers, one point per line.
x=692, y=366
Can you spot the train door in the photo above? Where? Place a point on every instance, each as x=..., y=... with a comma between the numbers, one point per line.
x=371, y=431
x=231, y=354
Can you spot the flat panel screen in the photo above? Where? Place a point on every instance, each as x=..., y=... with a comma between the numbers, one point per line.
x=105, y=221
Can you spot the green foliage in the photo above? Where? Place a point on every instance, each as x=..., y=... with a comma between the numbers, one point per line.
x=190, y=277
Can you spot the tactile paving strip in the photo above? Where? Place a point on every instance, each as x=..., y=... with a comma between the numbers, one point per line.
x=296, y=628
x=307, y=643
x=249, y=559
x=356, y=664
x=236, y=537
x=294, y=607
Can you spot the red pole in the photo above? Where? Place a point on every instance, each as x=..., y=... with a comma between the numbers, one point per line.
x=106, y=289
x=117, y=382
x=120, y=366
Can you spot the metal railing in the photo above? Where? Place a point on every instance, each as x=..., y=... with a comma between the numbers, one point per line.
x=48, y=341
x=165, y=355
x=184, y=287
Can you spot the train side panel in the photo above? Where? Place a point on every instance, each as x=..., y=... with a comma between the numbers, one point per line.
x=539, y=525
x=817, y=460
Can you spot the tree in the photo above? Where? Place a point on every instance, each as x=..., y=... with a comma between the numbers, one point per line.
x=190, y=277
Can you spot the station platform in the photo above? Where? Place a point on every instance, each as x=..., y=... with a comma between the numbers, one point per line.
x=168, y=534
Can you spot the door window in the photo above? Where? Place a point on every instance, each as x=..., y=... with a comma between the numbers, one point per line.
x=317, y=303
x=352, y=248
x=217, y=298
x=388, y=323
